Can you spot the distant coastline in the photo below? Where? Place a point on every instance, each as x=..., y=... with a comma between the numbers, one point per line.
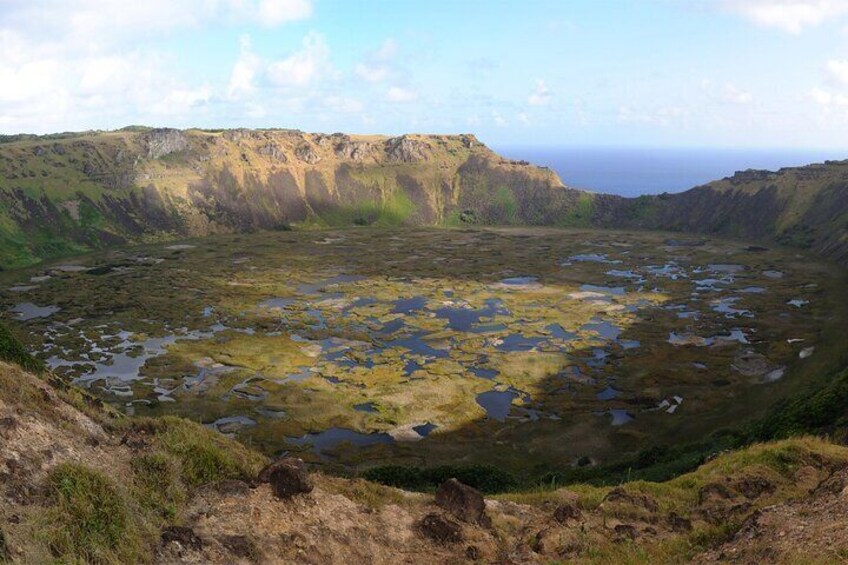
x=637, y=171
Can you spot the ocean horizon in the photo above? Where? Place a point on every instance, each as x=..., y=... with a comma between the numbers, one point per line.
x=636, y=171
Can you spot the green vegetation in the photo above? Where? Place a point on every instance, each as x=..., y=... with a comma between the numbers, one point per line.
x=197, y=455
x=13, y=351
x=90, y=520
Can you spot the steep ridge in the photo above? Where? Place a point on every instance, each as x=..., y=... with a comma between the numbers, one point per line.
x=72, y=192
x=806, y=207
x=68, y=193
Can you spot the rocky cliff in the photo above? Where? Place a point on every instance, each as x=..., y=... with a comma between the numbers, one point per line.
x=806, y=207
x=67, y=193
x=71, y=192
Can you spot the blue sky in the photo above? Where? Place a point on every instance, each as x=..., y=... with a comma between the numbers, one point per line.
x=720, y=73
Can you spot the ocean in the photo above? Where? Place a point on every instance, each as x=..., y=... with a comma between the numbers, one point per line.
x=637, y=171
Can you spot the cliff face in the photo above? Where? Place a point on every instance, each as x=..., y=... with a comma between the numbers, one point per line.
x=806, y=207
x=67, y=193
x=71, y=192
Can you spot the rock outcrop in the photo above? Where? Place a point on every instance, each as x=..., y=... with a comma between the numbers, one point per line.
x=164, y=141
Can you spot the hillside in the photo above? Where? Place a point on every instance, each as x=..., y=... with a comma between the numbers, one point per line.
x=805, y=207
x=80, y=483
x=67, y=193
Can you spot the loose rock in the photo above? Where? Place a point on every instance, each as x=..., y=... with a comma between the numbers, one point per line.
x=183, y=536
x=287, y=476
x=463, y=501
x=440, y=529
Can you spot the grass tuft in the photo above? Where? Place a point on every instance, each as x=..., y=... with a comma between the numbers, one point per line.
x=90, y=521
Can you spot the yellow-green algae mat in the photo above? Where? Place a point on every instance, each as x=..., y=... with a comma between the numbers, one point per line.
x=526, y=348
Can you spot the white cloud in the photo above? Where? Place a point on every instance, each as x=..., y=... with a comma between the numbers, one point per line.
x=245, y=70
x=182, y=100
x=827, y=98
x=838, y=70
x=792, y=16
x=378, y=65
x=275, y=12
x=304, y=67
x=399, y=94
x=499, y=120
x=371, y=73
x=344, y=104
x=734, y=95
x=541, y=95
x=821, y=96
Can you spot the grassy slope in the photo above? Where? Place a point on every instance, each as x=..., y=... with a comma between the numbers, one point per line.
x=109, y=507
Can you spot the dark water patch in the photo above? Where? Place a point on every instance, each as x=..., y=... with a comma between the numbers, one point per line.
x=232, y=424
x=620, y=417
x=598, y=359
x=332, y=437
x=608, y=393
x=409, y=305
x=623, y=274
x=23, y=288
x=492, y=328
x=483, y=372
x=424, y=429
x=725, y=306
x=411, y=366
x=392, y=326
x=557, y=332
x=518, y=342
x=362, y=302
x=612, y=290
x=685, y=242
x=604, y=328
x=593, y=258
x=368, y=407
x=519, y=281
x=497, y=403
x=416, y=344
x=728, y=268
x=28, y=311
x=462, y=319
x=752, y=290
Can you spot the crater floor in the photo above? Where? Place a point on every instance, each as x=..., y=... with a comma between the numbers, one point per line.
x=526, y=348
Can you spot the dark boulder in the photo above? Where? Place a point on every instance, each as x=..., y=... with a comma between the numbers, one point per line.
x=287, y=476
x=183, y=536
x=232, y=487
x=241, y=546
x=566, y=512
x=640, y=500
x=440, y=529
x=463, y=501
